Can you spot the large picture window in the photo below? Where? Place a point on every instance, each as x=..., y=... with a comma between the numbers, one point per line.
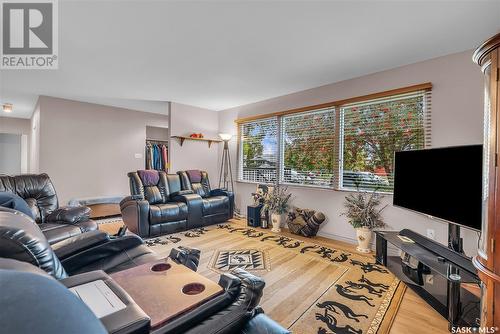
x=370, y=134
x=349, y=145
x=308, y=144
x=259, y=151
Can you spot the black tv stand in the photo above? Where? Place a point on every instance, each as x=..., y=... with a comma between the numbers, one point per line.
x=454, y=241
x=445, y=279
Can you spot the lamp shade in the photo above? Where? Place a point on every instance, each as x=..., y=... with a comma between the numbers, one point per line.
x=225, y=136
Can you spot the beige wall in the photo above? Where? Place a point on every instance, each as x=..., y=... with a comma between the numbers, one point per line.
x=14, y=125
x=194, y=154
x=457, y=106
x=18, y=126
x=87, y=149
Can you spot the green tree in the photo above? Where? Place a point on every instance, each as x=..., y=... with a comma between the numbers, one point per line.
x=253, y=133
x=309, y=142
x=372, y=133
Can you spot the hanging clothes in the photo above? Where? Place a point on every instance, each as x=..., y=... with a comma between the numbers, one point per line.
x=156, y=156
x=164, y=155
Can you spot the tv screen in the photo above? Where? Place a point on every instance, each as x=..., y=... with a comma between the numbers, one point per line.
x=443, y=182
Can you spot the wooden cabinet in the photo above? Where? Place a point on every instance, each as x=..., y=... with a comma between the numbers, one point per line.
x=488, y=259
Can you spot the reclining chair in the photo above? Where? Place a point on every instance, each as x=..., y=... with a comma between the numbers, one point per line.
x=23, y=248
x=57, y=223
x=217, y=204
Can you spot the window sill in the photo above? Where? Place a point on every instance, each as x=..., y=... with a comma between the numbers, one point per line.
x=312, y=187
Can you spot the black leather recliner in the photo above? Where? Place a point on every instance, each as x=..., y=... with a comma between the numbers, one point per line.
x=163, y=203
x=234, y=311
x=217, y=204
x=57, y=223
x=21, y=239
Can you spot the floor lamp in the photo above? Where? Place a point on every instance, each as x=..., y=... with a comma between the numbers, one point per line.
x=226, y=174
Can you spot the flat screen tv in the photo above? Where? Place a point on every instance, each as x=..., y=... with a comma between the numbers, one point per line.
x=445, y=183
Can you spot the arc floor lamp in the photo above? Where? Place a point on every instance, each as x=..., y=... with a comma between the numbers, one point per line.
x=226, y=174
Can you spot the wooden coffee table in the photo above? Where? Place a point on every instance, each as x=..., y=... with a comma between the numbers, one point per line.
x=165, y=289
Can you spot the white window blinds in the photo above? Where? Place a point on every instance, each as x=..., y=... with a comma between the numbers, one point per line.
x=307, y=148
x=372, y=131
x=259, y=151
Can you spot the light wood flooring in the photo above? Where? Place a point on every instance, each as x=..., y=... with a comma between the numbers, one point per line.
x=413, y=316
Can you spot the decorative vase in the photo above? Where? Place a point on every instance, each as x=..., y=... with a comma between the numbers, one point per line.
x=276, y=220
x=364, y=236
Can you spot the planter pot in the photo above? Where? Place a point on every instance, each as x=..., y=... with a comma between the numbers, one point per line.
x=364, y=236
x=276, y=220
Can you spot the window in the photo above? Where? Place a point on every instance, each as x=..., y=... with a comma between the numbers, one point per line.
x=307, y=151
x=344, y=145
x=372, y=131
x=259, y=151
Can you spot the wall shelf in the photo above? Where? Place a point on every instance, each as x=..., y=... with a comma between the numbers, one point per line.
x=208, y=140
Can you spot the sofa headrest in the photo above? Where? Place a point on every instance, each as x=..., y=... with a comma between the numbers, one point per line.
x=21, y=239
x=194, y=175
x=149, y=177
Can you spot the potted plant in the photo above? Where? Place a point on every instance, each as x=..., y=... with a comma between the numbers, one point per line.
x=276, y=202
x=364, y=215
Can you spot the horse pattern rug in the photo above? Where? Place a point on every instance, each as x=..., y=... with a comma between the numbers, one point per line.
x=327, y=290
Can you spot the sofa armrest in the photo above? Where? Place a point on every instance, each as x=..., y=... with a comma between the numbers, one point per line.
x=230, y=194
x=79, y=243
x=181, y=193
x=187, y=256
x=221, y=192
x=195, y=208
x=99, y=252
x=135, y=214
x=69, y=215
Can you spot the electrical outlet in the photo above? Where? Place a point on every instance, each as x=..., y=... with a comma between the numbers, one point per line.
x=431, y=233
x=138, y=156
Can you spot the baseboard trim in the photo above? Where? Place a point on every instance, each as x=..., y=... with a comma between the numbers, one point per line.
x=391, y=250
x=337, y=237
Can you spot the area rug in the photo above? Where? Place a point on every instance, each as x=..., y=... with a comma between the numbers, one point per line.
x=310, y=288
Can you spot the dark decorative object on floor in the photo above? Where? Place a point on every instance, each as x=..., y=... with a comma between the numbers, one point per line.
x=305, y=222
x=253, y=215
x=258, y=199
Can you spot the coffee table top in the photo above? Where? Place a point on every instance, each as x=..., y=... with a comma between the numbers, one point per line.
x=165, y=289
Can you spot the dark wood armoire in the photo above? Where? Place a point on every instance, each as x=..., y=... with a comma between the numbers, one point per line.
x=487, y=56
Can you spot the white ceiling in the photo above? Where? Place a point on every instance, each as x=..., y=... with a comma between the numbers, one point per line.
x=219, y=55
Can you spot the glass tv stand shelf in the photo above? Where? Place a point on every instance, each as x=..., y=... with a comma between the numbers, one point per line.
x=443, y=278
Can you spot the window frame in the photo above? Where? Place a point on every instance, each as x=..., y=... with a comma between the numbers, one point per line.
x=424, y=89
x=239, y=177
x=425, y=122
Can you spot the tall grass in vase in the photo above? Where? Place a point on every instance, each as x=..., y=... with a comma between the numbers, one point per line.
x=364, y=214
x=277, y=203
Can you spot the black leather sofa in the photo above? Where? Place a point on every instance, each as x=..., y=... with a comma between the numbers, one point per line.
x=29, y=267
x=163, y=203
x=57, y=223
x=217, y=204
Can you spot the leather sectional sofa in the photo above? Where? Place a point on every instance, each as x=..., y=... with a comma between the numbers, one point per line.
x=36, y=278
x=57, y=223
x=163, y=203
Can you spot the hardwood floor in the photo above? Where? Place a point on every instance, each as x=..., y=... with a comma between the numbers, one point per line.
x=414, y=316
